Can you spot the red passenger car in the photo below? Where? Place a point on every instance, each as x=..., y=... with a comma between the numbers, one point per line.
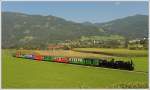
x=38, y=57
x=61, y=60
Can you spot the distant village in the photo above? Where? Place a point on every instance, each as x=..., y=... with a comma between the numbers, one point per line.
x=131, y=44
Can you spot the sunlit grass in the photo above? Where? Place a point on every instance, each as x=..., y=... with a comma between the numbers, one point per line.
x=26, y=73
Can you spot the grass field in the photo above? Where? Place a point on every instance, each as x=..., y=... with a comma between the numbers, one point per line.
x=24, y=73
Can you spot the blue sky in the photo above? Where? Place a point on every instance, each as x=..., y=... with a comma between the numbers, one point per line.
x=98, y=11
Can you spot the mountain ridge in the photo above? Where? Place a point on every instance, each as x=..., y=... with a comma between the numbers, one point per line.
x=23, y=29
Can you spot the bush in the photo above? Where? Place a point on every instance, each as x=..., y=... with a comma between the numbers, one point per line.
x=131, y=85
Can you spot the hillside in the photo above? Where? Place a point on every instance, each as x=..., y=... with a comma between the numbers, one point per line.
x=131, y=27
x=19, y=29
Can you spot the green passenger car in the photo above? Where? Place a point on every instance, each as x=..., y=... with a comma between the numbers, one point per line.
x=84, y=61
x=95, y=62
x=76, y=60
x=87, y=61
x=48, y=58
x=91, y=62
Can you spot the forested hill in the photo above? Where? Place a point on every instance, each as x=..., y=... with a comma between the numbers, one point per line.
x=19, y=29
x=131, y=27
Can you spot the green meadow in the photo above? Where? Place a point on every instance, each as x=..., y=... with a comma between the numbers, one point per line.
x=26, y=73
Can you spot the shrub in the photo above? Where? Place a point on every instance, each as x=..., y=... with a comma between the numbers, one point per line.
x=131, y=85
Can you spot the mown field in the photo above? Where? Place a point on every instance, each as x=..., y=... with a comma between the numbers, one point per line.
x=115, y=52
x=25, y=73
